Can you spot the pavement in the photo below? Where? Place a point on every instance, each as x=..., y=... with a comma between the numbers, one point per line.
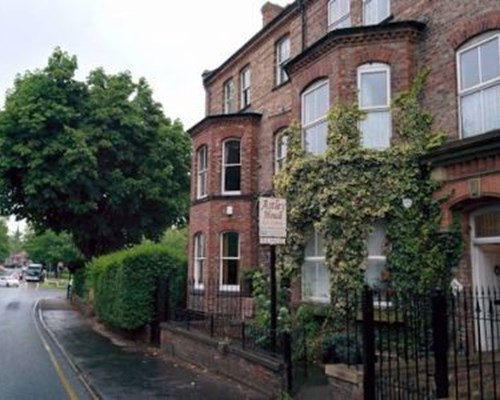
x=113, y=368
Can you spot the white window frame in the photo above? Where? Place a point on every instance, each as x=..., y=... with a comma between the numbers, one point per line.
x=202, y=172
x=199, y=260
x=318, y=121
x=224, y=166
x=380, y=18
x=282, y=57
x=314, y=259
x=375, y=68
x=245, y=87
x=337, y=21
x=280, y=142
x=228, y=96
x=222, y=286
x=479, y=87
x=379, y=301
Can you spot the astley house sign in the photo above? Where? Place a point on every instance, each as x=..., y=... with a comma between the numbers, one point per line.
x=272, y=220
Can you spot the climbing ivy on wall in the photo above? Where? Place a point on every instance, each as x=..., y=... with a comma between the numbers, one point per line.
x=343, y=192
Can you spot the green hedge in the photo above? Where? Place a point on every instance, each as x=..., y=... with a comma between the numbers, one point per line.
x=124, y=283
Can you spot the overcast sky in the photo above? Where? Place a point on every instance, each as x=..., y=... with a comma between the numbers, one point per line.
x=170, y=43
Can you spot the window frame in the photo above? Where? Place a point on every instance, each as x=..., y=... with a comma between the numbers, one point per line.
x=281, y=75
x=461, y=93
x=228, y=96
x=376, y=68
x=245, y=87
x=199, y=260
x=222, y=286
x=279, y=158
x=315, y=86
x=333, y=23
x=317, y=258
x=377, y=4
x=224, y=166
x=202, y=174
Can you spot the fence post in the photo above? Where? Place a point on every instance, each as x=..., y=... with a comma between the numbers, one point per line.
x=440, y=339
x=287, y=357
x=368, y=345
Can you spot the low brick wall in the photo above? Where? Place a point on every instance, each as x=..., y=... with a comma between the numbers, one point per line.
x=264, y=374
x=345, y=383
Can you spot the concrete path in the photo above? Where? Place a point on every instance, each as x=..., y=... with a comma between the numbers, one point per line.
x=117, y=369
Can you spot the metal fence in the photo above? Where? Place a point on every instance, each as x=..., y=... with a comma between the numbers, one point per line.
x=423, y=346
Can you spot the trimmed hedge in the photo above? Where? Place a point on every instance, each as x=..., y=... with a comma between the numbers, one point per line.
x=124, y=283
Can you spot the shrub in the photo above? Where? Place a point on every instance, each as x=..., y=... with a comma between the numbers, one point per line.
x=341, y=348
x=125, y=282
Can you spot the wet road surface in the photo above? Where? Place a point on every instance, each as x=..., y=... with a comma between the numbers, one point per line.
x=26, y=368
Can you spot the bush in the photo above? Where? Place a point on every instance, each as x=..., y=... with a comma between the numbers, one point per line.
x=341, y=348
x=124, y=284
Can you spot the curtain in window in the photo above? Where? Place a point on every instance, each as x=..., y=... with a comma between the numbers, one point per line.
x=376, y=128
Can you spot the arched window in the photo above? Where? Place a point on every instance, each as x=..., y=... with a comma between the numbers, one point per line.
x=280, y=150
x=374, y=88
x=231, y=167
x=199, y=260
x=230, y=261
x=201, y=172
x=478, y=63
x=339, y=14
x=315, y=105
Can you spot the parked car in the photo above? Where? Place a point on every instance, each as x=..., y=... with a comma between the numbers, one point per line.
x=34, y=273
x=9, y=281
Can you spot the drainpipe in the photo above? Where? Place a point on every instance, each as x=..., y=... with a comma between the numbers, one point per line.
x=302, y=7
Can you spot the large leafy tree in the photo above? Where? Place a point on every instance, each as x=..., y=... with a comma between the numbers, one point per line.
x=51, y=248
x=97, y=159
x=4, y=240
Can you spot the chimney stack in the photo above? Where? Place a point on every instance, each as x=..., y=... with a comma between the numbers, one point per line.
x=269, y=12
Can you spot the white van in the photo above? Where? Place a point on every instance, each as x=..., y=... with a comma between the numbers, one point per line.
x=34, y=273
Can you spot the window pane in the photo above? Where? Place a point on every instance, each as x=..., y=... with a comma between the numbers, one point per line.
x=488, y=224
x=323, y=281
x=374, y=273
x=308, y=279
x=376, y=240
x=383, y=9
x=310, y=250
x=230, y=272
x=232, y=181
x=374, y=89
x=370, y=12
x=471, y=114
x=376, y=129
x=491, y=106
x=490, y=60
x=230, y=244
x=232, y=152
x=469, y=68
x=315, y=138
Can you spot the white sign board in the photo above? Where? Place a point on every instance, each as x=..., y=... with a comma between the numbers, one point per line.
x=272, y=220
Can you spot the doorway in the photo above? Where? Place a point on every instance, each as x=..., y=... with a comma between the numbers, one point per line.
x=485, y=256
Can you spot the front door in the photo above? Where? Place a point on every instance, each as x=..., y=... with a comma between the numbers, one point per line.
x=485, y=254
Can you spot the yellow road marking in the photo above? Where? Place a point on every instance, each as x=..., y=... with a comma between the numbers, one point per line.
x=69, y=390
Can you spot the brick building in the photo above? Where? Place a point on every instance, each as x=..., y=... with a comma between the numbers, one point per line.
x=307, y=57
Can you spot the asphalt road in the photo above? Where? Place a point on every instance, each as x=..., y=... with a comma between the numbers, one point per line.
x=30, y=365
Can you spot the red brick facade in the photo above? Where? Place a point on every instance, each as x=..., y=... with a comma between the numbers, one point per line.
x=417, y=34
